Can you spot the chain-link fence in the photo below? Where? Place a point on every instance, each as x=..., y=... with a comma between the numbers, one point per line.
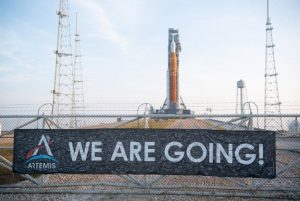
x=286, y=185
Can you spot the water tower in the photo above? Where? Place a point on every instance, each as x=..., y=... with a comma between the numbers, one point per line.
x=241, y=96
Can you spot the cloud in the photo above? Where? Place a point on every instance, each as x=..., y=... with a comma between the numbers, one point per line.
x=14, y=65
x=104, y=23
x=12, y=47
x=16, y=78
x=10, y=44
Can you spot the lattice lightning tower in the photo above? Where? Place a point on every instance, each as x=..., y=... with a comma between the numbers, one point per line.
x=78, y=81
x=272, y=103
x=63, y=92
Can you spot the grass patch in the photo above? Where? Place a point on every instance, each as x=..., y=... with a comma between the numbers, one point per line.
x=6, y=176
x=7, y=144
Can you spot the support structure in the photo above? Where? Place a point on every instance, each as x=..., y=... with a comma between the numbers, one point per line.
x=63, y=92
x=271, y=102
x=79, y=107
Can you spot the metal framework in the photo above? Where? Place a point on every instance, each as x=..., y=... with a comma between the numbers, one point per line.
x=284, y=186
x=63, y=92
x=78, y=105
x=272, y=102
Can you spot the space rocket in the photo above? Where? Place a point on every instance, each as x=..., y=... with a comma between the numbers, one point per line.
x=172, y=102
x=173, y=73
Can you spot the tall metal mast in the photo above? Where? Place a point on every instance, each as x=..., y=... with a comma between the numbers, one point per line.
x=79, y=107
x=272, y=103
x=63, y=92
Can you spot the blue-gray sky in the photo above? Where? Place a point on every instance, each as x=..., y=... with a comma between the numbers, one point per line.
x=124, y=43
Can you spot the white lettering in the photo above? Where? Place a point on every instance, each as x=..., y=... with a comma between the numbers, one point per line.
x=189, y=150
x=220, y=149
x=250, y=156
x=119, y=151
x=96, y=150
x=211, y=153
x=180, y=154
x=83, y=153
x=149, y=150
x=135, y=149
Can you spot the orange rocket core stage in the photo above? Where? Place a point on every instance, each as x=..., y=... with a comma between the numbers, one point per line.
x=173, y=77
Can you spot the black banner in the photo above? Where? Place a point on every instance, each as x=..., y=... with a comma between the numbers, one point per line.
x=146, y=151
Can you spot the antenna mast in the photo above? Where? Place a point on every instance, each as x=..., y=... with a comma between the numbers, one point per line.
x=63, y=92
x=79, y=107
x=272, y=103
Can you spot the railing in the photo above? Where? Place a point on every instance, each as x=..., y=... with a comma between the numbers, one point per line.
x=286, y=185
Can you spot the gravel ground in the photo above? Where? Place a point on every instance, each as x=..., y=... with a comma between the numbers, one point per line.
x=284, y=182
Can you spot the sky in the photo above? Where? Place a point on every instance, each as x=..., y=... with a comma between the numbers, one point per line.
x=124, y=47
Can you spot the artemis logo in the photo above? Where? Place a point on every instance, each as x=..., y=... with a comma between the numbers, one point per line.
x=38, y=161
